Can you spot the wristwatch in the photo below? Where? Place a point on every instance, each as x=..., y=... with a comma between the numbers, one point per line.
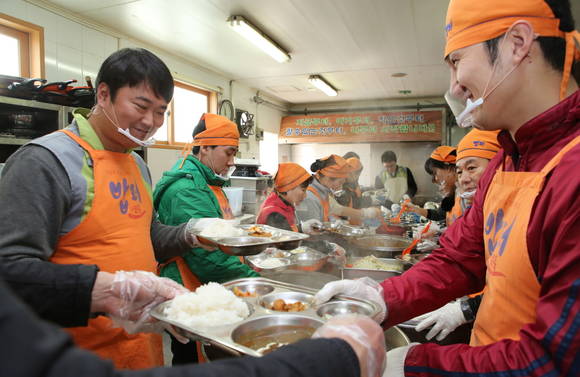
x=466, y=310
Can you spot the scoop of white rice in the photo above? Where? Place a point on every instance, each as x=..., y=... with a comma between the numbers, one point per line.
x=222, y=228
x=209, y=305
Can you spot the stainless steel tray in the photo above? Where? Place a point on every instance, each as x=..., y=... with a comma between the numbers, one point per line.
x=261, y=319
x=378, y=275
x=248, y=245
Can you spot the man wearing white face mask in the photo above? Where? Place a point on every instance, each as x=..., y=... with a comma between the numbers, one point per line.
x=193, y=189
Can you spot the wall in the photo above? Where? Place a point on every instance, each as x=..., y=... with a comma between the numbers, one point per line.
x=74, y=49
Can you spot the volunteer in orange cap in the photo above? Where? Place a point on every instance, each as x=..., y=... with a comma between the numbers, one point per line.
x=193, y=189
x=474, y=152
x=511, y=61
x=351, y=194
x=441, y=167
x=330, y=174
x=279, y=208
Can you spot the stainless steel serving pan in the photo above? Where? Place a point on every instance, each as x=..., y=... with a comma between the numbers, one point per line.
x=249, y=245
x=380, y=245
x=350, y=272
x=264, y=321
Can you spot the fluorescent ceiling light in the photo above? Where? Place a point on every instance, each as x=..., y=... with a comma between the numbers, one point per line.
x=323, y=85
x=257, y=37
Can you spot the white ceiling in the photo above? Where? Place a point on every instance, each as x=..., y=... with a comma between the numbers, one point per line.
x=355, y=44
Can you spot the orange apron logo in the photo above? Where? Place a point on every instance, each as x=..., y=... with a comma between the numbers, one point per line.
x=497, y=233
x=125, y=191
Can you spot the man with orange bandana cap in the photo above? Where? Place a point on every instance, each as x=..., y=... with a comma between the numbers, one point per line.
x=474, y=152
x=512, y=61
x=192, y=189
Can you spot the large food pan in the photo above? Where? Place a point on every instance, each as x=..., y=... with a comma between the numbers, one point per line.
x=254, y=335
x=249, y=245
x=307, y=259
x=350, y=272
x=380, y=245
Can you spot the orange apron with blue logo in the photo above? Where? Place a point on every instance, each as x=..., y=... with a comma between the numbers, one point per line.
x=325, y=204
x=512, y=288
x=455, y=212
x=114, y=235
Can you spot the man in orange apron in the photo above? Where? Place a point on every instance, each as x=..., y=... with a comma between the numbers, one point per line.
x=512, y=63
x=80, y=201
x=193, y=189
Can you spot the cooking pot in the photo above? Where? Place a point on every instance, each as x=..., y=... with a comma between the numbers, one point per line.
x=381, y=246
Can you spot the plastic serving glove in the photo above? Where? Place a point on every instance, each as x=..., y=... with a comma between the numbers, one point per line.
x=444, y=320
x=128, y=297
x=364, y=288
x=371, y=213
x=311, y=226
x=364, y=336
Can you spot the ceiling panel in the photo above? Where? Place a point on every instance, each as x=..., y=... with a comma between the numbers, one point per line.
x=355, y=44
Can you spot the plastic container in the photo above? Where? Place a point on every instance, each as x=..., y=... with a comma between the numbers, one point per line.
x=235, y=197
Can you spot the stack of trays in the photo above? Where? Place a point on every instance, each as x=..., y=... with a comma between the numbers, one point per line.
x=267, y=329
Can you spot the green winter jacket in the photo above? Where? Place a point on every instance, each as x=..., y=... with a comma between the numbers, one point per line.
x=182, y=194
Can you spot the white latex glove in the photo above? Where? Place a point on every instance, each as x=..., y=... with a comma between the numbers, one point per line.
x=311, y=226
x=338, y=254
x=406, y=197
x=426, y=245
x=371, y=213
x=444, y=320
x=364, y=336
x=363, y=288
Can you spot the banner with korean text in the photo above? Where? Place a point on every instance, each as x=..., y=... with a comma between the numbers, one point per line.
x=365, y=127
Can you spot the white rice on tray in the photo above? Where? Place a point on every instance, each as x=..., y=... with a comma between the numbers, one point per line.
x=210, y=305
x=222, y=228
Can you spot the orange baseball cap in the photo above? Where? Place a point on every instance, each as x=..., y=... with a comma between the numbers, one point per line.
x=470, y=22
x=289, y=176
x=354, y=164
x=445, y=154
x=219, y=130
x=478, y=143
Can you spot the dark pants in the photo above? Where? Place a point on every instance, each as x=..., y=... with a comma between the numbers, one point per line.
x=183, y=353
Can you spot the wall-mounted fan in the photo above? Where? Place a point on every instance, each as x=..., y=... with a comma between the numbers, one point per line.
x=245, y=122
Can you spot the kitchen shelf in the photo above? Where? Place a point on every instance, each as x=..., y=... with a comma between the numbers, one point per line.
x=6, y=140
x=30, y=103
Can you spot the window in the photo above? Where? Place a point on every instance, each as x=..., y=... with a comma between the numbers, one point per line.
x=269, y=152
x=22, y=46
x=187, y=106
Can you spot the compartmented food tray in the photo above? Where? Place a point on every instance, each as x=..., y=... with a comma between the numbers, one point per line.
x=269, y=326
x=254, y=241
x=302, y=258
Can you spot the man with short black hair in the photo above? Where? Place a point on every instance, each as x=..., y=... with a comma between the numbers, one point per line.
x=77, y=210
x=394, y=179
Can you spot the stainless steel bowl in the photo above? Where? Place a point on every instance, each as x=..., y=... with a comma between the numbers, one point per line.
x=310, y=260
x=255, y=289
x=395, y=337
x=256, y=263
x=334, y=308
x=265, y=334
x=288, y=297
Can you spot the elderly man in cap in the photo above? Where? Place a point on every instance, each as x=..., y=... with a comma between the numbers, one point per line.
x=193, y=189
x=511, y=62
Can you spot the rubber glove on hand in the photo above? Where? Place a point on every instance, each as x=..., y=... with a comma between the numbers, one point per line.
x=364, y=288
x=337, y=254
x=366, y=338
x=129, y=296
x=371, y=213
x=311, y=226
x=444, y=320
